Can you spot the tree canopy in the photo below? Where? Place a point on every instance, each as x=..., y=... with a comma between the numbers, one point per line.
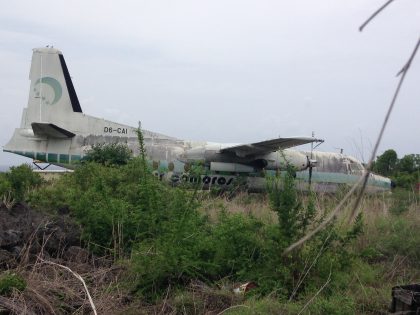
x=404, y=172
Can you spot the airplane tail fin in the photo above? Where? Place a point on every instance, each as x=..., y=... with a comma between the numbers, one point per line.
x=52, y=97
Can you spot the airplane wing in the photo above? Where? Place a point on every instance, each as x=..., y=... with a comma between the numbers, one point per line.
x=244, y=150
x=51, y=131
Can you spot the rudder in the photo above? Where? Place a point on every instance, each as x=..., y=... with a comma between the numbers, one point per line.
x=52, y=96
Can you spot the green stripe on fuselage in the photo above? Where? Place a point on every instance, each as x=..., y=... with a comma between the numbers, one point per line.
x=52, y=157
x=339, y=178
x=75, y=158
x=64, y=158
x=42, y=156
x=49, y=157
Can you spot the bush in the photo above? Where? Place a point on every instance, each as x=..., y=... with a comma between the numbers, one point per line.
x=109, y=154
x=10, y=282
x=18, y=182
x=126, y=211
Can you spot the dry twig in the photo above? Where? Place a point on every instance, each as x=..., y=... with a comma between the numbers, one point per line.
x=375, y=14
x=365, y=177
x=316, y=294
x=231, y=307
x=323, y=224
x=78, y=277
x=14, y=306
x=403, y=71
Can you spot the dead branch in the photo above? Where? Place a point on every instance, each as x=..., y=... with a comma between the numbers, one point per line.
x=365, y=177
x=375, y=14
x=403, y=71
x=78, y=277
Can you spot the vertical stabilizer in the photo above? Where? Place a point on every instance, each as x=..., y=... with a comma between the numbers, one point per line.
x=52, y=96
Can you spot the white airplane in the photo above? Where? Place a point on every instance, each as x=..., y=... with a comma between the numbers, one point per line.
x=55, y=130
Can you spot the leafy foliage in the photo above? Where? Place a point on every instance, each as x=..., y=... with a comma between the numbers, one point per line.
x=386, y=163
x=18, y=182
x=404, y=172
x=166, y=240
x=11, y=281
x=109, y=154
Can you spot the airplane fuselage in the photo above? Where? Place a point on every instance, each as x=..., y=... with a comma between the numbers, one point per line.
x=55, y=130
x=171, y=158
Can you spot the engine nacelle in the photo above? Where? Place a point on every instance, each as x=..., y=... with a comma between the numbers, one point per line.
x=280, y=160
x=202, y=154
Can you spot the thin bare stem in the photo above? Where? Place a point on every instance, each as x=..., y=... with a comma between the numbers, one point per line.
x=301, y=279
x=316, y=294
x=365, y=177
x=78, y=277
x=375, y=14
x=323, y=224
x=403, y=71
x=165, y=301
x=234, y=306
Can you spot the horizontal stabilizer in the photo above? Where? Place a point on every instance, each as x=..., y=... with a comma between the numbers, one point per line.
x=263, y=147
x=51, y=131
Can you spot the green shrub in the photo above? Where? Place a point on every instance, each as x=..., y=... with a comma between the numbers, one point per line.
x=18, y=182
x=109, y=154
x=124, y=210
x=10, y=282
x=236, y=241
x=5, y=186
x=52, y=195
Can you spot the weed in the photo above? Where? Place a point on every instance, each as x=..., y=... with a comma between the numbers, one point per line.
x=10, y=282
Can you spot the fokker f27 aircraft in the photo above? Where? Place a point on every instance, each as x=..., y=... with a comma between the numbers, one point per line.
x=55, y=130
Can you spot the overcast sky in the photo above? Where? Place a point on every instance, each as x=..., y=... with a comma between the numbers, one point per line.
x=225, y=71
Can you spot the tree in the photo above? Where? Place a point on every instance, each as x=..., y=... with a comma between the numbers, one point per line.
x=386, y=163
x=410, y=163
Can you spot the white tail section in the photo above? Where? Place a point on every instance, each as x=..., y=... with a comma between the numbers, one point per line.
x=51, y=96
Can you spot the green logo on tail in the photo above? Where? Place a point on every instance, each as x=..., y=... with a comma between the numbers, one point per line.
x=47, y=96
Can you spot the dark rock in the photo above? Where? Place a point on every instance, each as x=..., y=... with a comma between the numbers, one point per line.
x=10, y=238
x=6, y=259
x=24, y=231
x=63, y=210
